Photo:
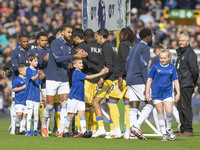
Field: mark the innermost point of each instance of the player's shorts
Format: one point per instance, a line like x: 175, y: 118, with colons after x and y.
x: 75, y: 105
x: 44, y: 94
x: 157, y: 101
x: 104, y: 91
x: 21, y: 108
x: 13, y: 94
x: 136, y: 92
x: 53, y: 87
x: 57, y: 99
x: 116, y: 92
x: 33, y: 105
x: 90, y: 90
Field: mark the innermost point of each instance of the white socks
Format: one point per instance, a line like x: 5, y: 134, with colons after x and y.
x: 83, y: 124
x: 133, y: 116
x: 36, y: 119
x: 23, y: 124
x: 169, y: 117
x: 46, y: 114
x: 155, y: 117
x: 67, y: 123
x: 29, y: 117
x: 144, y: 114
x: 161, y: 121
x: 63, y: 113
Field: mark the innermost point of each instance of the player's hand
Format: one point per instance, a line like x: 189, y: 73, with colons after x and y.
x: 147, y: 96
x: 40, y: 72
x: 81, y: 53
x: 46, y: 58
x: 42, y: 75
x: 3, y: 74
x: 177, y: 97
x: 100, y: 83
x: 120, y: 82
x: 104, y: 70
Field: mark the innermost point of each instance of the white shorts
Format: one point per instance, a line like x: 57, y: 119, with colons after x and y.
x: 75, y: 105
x: 157, y: 101
x: 53, y: 87
x: 32, y: 105
x: 136, y: 92
x: 21, y: 108
x: 44, y: 94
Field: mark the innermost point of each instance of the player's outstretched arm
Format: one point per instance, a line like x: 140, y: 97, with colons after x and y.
x: 102, y: 72
x: 177, y: 87
x: 17, y: 89
x: 147, y: 89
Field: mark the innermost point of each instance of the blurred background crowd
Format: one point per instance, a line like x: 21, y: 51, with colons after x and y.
x: 30, y: 16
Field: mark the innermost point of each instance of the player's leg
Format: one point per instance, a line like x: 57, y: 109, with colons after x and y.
x: 57, y: 107
x: 72, y: 108
x: 176, y: 116
x: 63, y: 92
x: 139, y: 90
x: 18, y: 118
x: 36, y: 107
x: 81, y: 111
x: 23, y: 122
x: 13, y: 116
x: 161, y: 118
x: 29, y: 105
x: 168, y: 104
x: 155, y: 117
x: 51, y: 89
x: 99, y: 115
x: 127, y: 107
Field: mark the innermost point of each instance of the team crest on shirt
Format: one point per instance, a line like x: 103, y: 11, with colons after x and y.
x: 19, y: 55
x: 61, y: 47
x: 170, y: 71
x: 159, y: 70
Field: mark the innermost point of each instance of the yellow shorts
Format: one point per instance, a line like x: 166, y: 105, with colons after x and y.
x: 116, y: 92
x: 57, y: 99
x: 104, y: 91
x: 90, y: 90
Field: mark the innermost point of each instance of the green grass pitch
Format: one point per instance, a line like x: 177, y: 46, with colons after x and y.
x: 19, y: 142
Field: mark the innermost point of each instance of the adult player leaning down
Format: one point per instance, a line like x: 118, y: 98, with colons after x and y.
x: 57, y: 77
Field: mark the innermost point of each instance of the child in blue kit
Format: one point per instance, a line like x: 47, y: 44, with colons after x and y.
x: 33, y: 98
x: 76, y: 100
x: 19, y: 87
x: 160, y: 79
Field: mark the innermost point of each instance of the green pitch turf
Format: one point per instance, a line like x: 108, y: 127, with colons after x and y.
x: 20, y: 142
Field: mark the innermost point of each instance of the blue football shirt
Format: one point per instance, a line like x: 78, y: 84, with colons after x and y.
x: 20, y: 97
x: 33, y: 86
x: 77, y: 91
x: 162, y: 76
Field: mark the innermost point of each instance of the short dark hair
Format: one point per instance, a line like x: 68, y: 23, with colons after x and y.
x: 22, y: 36
x: 103, y: 32
x: 75, y: 59
x: 41, y: 34
x: 159, y: 46
x: 50, y: 39
x: 128, y: 34
x: 78, y: 32
x: 22, y: 65
x: 65, y: 26
x: 144, y: 33
x: 32, y: 56
x: 89, y: 33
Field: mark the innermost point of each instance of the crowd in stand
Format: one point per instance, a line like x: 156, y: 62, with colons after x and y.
x: 30, y: 16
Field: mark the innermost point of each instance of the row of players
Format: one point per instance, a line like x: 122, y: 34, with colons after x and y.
x: 117, y: 83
